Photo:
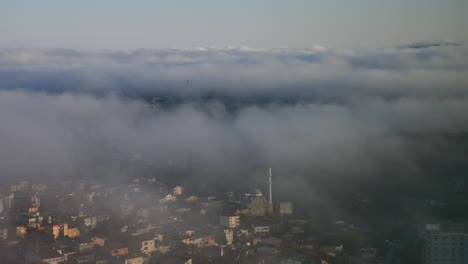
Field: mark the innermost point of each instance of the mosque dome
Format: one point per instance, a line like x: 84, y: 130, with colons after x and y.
x: 254, y: 192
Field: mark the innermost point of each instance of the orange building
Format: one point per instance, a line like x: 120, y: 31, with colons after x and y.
x: 99, y: 241
x: 70, y: 232
x: 119, y: 251
x: 56, y: 231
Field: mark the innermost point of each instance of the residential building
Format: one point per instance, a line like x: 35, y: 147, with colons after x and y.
x: 261, y: 229
x: 178, y: 190
x: 231, y: 221
x: 3, y: 233
x: 56, y: 231
x: 85, y: 246
x: 44, y: 255
x: 286, y: 208
x: 117, y: 249
x: 175, y: 260
x: 21, y: 231
x: 85, y: 258
x: 445, y: 245
x: 203, y: 241
x: 229, y: 234
x: 143, y: 244
x: 368, y: 253
x: 71, y: 232
x: 134, y: 260
x: 99, y: 240
x: 90, y: 221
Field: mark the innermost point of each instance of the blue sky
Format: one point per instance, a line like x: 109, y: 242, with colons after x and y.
x: 115, y: 24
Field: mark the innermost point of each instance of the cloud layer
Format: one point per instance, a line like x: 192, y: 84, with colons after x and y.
x: 429, y: 71
x: 310, y: 114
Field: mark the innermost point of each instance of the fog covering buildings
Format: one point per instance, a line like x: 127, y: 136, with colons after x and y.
x: 117, y: 149
x: 445, y: 243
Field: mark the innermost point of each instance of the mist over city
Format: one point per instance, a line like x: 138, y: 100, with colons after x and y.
x: 156, y: 149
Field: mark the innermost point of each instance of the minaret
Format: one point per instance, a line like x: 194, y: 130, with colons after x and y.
x: 270, y: 200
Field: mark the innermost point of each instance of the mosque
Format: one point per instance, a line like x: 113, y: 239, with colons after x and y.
x: 255, y: 203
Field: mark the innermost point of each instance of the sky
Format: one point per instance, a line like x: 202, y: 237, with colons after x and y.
x: 117, y: 24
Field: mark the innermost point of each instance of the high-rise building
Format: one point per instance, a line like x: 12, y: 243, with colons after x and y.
x: 445, y: 245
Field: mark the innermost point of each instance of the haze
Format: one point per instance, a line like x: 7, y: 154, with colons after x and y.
x: 125, y: 126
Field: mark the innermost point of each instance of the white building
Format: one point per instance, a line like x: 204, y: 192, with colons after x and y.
x: 178, y: 190
x: 261, y: 229
x: 445, y: 245
x: 20, y: 186
x: 229, y: 233
x: 136, y: 260
x: 3, y: 233
x: 90, y: 221
x: 368, y: 253
x: 286, y: 208
x: 148, y: 246
x: 231, y: 221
